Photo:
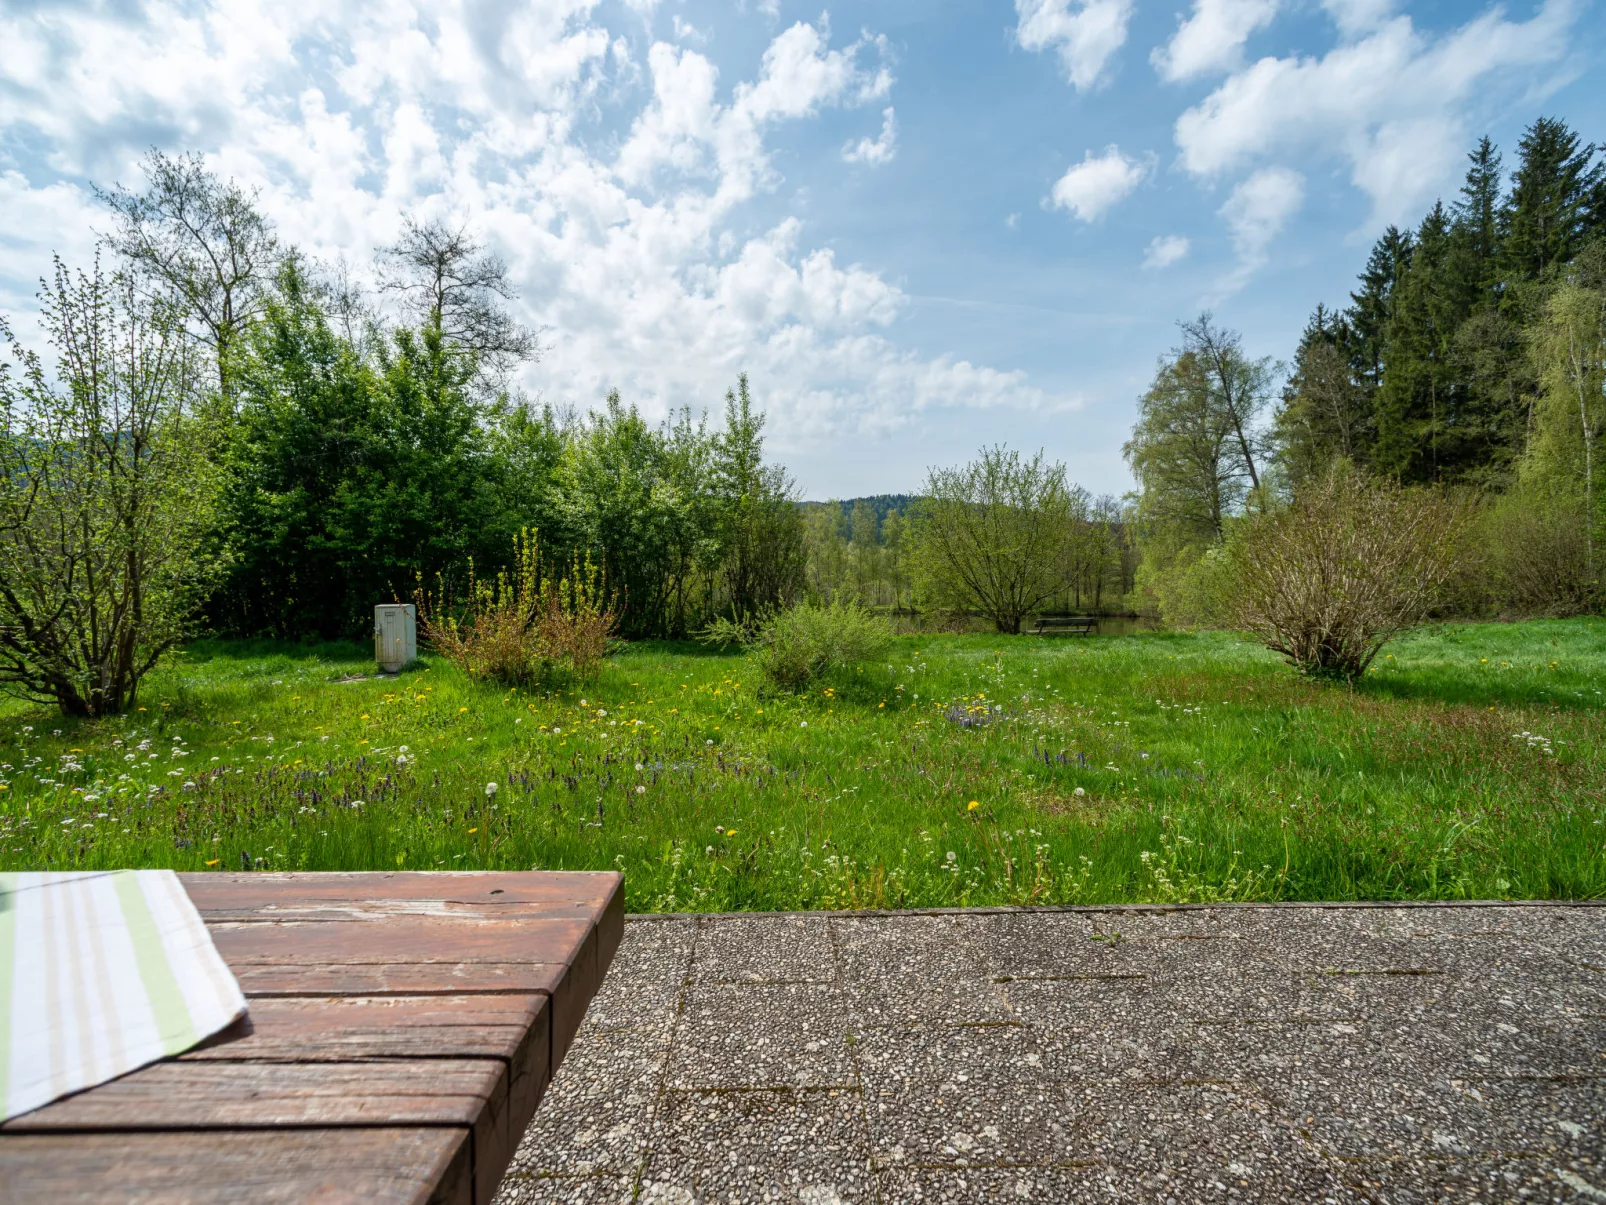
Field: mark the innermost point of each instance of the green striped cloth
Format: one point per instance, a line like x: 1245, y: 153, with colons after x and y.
x: 100, y: 973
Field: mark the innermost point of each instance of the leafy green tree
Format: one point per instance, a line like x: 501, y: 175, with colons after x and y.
x: 347, y: 479
x: 1180, y: 453
x: 1569, y: 348
x: 990, y: 536
x: 618, y: 502
x: 761, y: 533
x: 865, y: 539
x: 1240, y: 388
x: 106, y: 495
x: 893, y: 530
x: 827, y: 548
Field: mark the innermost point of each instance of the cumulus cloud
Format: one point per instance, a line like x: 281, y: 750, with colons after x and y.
x: 635, y: 254
x: 1392, y: 102
x: 1212, y: 37
x: 1097, y: 184
x: 1086, y: 33
x: 878, y: 150
x: 1256, y: 212
x: 1165, y: 250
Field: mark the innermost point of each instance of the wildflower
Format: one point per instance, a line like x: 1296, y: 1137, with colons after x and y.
x: 640, y: 790
x: 1079, y: 792
x: 460, y: 711
x: 972, y: 805
x: 474, y: 830
x: 214, y: 861
x: 601, y: 713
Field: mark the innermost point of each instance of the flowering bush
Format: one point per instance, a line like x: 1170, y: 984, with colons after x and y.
x: 524, y: 626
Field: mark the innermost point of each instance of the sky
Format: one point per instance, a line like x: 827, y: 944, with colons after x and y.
x: 921, y: 227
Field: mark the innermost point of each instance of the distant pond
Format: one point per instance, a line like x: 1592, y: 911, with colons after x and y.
x: 1105, y: 625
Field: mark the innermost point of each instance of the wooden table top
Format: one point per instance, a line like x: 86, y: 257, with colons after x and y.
x: 401, y: 1031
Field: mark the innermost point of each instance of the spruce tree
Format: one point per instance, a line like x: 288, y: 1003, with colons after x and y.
x: 1373, y: 304
x: 1548, y: 216
x: 1477, y: 228
x: 1415, y: 406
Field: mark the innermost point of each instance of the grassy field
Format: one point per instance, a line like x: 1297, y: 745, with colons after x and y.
x: 969, y: 770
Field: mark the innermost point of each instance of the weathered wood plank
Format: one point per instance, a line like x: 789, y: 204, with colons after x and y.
x: 396, y: 978
x: 286, y: 1167
x: 560, y: 893
x: 341, y: 1029
x: 517, y: 1029
x: 401, y: 939
x: 176, y: 1095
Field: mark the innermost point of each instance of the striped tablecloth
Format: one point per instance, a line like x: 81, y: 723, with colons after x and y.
x: 101, y: 973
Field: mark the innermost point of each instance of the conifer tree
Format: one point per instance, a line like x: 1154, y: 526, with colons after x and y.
x: 1548, y: 215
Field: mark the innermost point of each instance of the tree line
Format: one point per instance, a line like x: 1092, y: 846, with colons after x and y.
x: 1471, y: 358
x: 238, y: 438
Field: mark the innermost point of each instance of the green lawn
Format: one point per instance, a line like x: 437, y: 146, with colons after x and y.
x: 970, y: 770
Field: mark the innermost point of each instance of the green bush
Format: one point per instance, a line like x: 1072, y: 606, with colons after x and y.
x: 793, y: 647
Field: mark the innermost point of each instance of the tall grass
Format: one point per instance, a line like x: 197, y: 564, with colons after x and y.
x: 961, y: 770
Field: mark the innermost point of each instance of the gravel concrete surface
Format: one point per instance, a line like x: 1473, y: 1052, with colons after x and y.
x: 1298, y: 1054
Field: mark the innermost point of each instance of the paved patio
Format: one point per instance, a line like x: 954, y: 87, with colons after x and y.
x: 1300, y: 1054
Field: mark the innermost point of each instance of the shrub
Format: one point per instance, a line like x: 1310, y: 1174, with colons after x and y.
x: 1537, y: 544
x: 108, y: 491
x: 1330, y: 578
x: 793, y: 647
x: 525, y: 626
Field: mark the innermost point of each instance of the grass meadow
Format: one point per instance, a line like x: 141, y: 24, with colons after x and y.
x: 967, y: 770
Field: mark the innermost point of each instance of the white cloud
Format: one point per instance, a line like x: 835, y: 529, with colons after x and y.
x: 1212, y: 38
x: 1357, y: 16
x: 1165, y: 250
x: 1098, y: 183
x: 1087, y: 33
x: 1393, y: 103
x: 1256, y: 213
x: 635, y: 255
x: 879, y: 150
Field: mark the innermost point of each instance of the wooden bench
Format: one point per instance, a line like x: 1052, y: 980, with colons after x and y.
x: 1050, y: 625
x: 401, y: 1031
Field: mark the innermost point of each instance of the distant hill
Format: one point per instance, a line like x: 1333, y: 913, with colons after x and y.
x: 880, y: 503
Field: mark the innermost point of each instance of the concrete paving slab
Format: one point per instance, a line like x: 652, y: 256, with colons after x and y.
x: 764, y: 950
x: 1387, y: 1054
x: 749, y: 1147
x: 762, y: 1035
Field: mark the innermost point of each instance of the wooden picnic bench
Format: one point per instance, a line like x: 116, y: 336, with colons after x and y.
x: 1071, y: 625
x: 401, y: 1031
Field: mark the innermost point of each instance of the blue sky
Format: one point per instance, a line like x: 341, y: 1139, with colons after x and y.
x: 919, y: 227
